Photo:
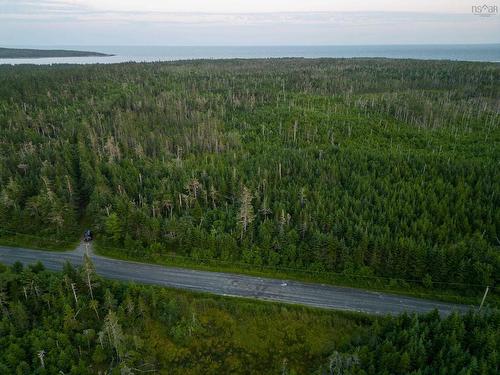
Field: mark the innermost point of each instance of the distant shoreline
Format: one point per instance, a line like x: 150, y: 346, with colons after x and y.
x: 125, y: 54
x: 23, y: 53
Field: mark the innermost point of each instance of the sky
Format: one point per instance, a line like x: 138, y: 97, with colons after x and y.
x: 244, y: 22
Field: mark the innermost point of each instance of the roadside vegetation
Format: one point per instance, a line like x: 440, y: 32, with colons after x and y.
x: 361, y: 169
x: 74, y: 322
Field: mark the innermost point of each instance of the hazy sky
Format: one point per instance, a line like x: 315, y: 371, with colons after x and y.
x: 244, y: 22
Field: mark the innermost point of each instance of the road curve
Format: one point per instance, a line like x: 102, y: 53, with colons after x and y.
x: 228, y: 284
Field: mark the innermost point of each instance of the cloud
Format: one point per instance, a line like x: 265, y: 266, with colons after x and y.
x: 231, y: 6
x: 57, y: 14
x: 31, y: 7
x: 52, y: 22
x: 278, y: 6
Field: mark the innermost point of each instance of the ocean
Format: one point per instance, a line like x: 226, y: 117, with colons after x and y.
x: 463, y: 52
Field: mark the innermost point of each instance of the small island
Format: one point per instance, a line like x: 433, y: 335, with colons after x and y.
x: 17, y: 53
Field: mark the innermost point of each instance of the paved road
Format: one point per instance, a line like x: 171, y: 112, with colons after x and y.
x: 317, y: 295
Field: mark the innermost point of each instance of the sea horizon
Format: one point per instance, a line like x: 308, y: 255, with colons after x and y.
x: 484, y: 52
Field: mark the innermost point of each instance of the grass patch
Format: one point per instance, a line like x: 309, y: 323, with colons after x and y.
x: 37, y: 243
x: 172, y: 331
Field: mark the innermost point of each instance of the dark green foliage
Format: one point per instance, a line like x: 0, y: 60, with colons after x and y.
x: 143, y: 328
x: 425, y: 344
x: 361, y: 166
x: 120, y: 327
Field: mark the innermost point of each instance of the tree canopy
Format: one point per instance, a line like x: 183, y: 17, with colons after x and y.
x: 361, y: 166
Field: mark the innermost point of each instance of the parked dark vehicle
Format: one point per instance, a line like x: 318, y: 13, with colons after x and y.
x: 87, y: 235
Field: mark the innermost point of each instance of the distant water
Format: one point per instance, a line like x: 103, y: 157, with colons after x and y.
x: 472, y: 52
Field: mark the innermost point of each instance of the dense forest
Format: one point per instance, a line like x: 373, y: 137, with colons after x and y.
x: 371, y: 167
x: 76, y: 323
x: 418, y: 345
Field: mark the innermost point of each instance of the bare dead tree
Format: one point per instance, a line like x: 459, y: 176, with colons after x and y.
x: 246, y: 214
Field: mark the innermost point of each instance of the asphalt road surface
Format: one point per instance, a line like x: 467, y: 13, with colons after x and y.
x: 227, y: 284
